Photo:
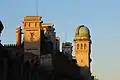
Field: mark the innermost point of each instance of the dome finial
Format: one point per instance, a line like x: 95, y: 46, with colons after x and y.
x: 82, y: 25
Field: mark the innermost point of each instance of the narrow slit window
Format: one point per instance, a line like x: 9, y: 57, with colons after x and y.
x: 82, y: 60
x: 77, y: 46
x: 81, y: 46
x: 85, y: 46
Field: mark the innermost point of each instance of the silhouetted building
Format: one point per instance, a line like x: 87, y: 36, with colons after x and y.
x: 38, y: 56
x: 39, y: 39
x: 38, y: 46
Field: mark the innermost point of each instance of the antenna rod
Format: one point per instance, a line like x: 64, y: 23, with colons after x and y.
x: 37, y: 7
x: 66, y: 36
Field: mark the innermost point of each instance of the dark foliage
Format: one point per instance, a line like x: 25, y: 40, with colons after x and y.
x: 1, y: 27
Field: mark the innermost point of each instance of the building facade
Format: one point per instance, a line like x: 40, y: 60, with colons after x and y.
x: 39, y: 40
x: 32, y: 34
x: 40, y: 43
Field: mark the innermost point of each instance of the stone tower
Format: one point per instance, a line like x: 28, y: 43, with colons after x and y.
x: 18, y: 36
x: 82, y: 49
x: 32, y: 34
x: 67, y: 49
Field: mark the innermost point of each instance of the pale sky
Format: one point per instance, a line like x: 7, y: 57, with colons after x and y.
x: 100, y: 16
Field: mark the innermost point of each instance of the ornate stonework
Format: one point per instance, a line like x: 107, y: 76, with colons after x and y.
x: 32, y: 34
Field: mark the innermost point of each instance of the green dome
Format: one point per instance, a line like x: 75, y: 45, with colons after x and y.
x: 82, y: 31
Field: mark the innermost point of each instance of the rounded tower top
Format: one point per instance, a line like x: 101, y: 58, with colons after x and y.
x: 82, y: 31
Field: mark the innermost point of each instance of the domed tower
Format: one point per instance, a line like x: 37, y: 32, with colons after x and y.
x: 82, y: 44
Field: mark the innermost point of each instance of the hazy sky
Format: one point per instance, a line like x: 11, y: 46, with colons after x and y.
x: 100, y: 16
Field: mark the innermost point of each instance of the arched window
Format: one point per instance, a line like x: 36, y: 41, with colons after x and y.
x: 81, y: 46
x: 77, y: 46
x: 85, y: 46
x: 24, y: 24
x: 35, y: 24
x: 29, y: 24
x: 81, y: 60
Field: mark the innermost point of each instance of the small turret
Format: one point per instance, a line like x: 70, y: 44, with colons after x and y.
x: 57, y: 44
x: 67, y: 49
x: 18, y: 36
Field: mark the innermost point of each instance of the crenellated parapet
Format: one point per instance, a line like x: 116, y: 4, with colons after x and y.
x: 10, y: 45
